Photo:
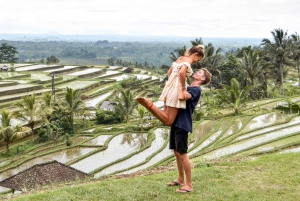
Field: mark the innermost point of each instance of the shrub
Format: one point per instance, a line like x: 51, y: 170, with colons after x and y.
x: 107, y: 117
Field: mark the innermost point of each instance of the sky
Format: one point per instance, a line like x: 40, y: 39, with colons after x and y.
x: 188, y: 18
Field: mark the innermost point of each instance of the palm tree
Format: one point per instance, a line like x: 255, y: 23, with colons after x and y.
x: 233, y: 96
x: 296, y: 52
x: 141, y: 111
x: 85, y: 113
x: 47, y: 105
x: 250, y: 63
x: 212, y: 62
x: 9, y: 134
x: 197, y: 41
x: 72, y: 105
x: 177, y: 53
x: 29, y: 110
x: 124, y: 104
x: 278, y: 51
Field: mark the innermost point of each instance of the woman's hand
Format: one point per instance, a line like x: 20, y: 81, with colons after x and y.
x: 187, y: 95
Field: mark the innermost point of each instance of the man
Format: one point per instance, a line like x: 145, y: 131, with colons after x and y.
x: 180, y: 128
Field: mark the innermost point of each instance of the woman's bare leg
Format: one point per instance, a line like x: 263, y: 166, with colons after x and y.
x: 166, y: 116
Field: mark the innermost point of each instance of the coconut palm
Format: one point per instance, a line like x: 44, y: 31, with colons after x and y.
x: 9, y: 134
x: 85, y: 114
x: 124, y: 104
x: 250, y: 63
x: 197, y: 41
x: 296, y: 52
x: 72, y: 105
x: 278, y: 51
x: 47, y: 105
x: 177, y: 53
x: 29, y: 110
x: 141, y: 111
x: 212, y: 61
x: 233, y: 96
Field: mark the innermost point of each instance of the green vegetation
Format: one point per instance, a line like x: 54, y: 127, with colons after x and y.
x: 250, y: 108
x: 268, y: 177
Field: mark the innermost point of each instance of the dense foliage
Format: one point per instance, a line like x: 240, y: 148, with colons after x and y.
x: 8, y: 53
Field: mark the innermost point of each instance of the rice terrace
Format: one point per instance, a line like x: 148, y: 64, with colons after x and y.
x: 82, y: 120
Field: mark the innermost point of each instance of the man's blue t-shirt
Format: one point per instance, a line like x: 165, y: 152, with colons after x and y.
x: 183, y: 119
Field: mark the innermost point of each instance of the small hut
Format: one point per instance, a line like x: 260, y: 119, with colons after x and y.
x: 52, y: 172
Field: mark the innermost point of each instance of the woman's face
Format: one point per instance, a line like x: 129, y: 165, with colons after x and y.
x: 196, y: 58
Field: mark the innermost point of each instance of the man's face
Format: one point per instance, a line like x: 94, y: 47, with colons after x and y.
x: 199, y: 75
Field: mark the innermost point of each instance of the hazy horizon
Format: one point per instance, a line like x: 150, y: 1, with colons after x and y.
x: 118, y: 38
x: 151, y: 18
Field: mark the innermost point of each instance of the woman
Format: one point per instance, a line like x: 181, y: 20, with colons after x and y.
x: 177, y: 76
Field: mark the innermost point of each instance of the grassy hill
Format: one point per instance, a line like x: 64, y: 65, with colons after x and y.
x: 267, y: 177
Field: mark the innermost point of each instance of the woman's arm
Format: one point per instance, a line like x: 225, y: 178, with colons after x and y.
x: 182, y: 76
x: 170, y: 71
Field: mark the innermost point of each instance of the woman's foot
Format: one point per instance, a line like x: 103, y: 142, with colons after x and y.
x: 147, y: 103
x: 185, y: 189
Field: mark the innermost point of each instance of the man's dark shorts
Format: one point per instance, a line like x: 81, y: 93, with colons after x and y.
x: 179, y: 140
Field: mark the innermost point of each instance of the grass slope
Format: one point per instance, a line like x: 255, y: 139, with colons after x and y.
x: 268, y: 177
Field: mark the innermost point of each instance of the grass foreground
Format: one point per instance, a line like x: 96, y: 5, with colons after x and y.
x: 267, y: 177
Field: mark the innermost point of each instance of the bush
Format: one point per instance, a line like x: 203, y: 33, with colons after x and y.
x: 107, y: 117
x: 68, y: 140
x: 43, y: 137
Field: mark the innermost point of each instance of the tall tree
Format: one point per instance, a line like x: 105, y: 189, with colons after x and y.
x: 197, y: 41
x: 213, y: 60
x: 29, y: 110
x: 251, y: 65
x: 232, y: 69
x: 233, y: 96
x: 296, y: 52
x: 141, y: 112
x: 52, y: 60
x: 73, y: 105
x: 177, y: 53
x: 9, y: 134
x: 8, y: 53
x: 278, y: 51
x: 123, y: 104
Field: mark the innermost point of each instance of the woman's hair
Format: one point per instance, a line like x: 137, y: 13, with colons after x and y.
x: 208, y: 76
x: 199, y: 49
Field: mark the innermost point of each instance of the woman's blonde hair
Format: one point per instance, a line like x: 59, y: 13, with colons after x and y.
x: 198, y: 49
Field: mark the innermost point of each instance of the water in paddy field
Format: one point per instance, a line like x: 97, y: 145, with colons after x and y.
x: 137, y: 158
x: 77, y: 84
x: 114, y: 151
x: 86, y: 71
x: 93, y: 102
x: 249, y: 143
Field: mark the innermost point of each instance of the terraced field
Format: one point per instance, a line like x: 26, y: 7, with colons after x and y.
x: 109, y: 149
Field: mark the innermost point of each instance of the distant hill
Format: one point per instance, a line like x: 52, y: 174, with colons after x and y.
x: 126, y: 38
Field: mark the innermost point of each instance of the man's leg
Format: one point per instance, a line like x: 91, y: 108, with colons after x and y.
x: 180, y: 167
x: 188, y: 173
x: 181, y: 141
x: 172, y: 146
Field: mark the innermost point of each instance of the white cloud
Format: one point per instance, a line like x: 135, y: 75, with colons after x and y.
x: 194, y: 18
